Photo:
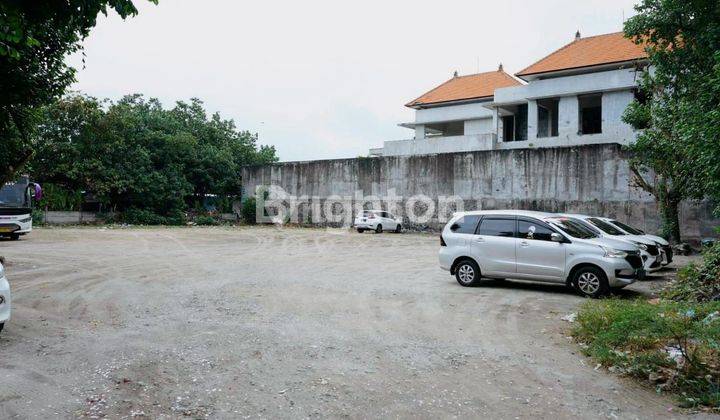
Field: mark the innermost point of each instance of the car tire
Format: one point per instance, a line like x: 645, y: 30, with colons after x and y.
x: 14, y: 236
x: 2, y: 325
x: 360, y: 230
x: 467, y: 273
x: 378, y: 229
x: 591, y: 282
x: 398, y: 228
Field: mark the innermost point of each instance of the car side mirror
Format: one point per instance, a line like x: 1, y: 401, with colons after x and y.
x: 556, y: 237
x: 454, y: 227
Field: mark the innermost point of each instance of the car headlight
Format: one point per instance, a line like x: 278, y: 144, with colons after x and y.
x: 641, y: 246
x: 614, y: 253
x: 25, y: 220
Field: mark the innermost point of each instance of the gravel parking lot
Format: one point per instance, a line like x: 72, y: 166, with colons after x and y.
x: 266, y: 322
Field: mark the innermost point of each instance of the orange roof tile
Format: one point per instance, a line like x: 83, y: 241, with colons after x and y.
x: 590, y: 51
x: 459, y: 88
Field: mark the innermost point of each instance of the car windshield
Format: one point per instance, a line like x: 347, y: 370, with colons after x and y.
x: 628, y: 229
x: 605, y: 226
x: 572, y: 227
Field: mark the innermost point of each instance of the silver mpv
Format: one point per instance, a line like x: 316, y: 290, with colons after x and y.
x: 543, y: 247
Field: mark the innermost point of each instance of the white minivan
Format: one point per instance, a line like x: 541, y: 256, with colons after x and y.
x: 536, y: 246
x: 4, y: 298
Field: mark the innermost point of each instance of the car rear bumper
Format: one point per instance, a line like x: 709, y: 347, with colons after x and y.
x: 6, y: 300
x: 364, y: 225
x: 445, y: 258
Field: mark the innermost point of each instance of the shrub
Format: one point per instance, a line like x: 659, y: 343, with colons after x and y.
x: 38, y: 217
x: 674, y: 345
x: 698, y: 282
x: 136, y: 216
x: 248, y: 211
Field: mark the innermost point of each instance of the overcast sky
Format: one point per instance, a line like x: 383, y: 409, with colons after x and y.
x: 324, y: 79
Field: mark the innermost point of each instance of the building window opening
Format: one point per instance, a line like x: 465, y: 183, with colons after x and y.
x: 590, y: 118
x: 521, y: 122
x: 548, y: 117
x: 514, y: 122
x: 508, y: 123
x: 451, y: 128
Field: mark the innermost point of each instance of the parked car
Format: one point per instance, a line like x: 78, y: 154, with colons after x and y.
x: 649, y: 250
x: 4, y: 298
x: 377, y: 220
x: 535, y: 246
x: 665, y: 247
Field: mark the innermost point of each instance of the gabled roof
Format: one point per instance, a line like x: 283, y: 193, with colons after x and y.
x: 587, y: 52
x: 464, y: 88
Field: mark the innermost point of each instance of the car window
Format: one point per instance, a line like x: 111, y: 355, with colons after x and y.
x: 572, y: 227
x: 629, y: 229
x: 466, y: 224
x: 605, y: 226
x: 497, y: 227
x: 536, y: 231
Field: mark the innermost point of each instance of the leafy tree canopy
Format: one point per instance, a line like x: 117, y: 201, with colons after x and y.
x: 679, y: 110
x: 35, y: 38
x: 135, y: 154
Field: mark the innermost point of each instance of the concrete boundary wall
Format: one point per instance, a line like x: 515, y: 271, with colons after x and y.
x: 592, y: 179
x: 68, y: 217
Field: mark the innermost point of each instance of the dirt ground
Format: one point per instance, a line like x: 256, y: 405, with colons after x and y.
x: 271, y: 323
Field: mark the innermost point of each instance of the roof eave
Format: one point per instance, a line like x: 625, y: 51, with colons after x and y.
x: 449, y: 103
x: 534, y: 75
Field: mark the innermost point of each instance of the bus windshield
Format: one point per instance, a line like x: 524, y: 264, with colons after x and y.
x: 15, y: 194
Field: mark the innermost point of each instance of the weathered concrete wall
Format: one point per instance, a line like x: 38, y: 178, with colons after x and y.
x: 68, y: 217
x: 592, y: 179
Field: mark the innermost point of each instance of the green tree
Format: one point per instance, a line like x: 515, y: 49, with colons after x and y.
x: 35, y: 38
x: 677, y: 155
x: 134, y: 154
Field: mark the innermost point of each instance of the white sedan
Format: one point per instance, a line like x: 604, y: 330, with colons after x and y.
x: 4, y: 298
x: 377, y: 220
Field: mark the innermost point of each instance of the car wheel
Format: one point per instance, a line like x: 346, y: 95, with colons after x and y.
x: 14, y: 236
x: 398, y: 228
x: 2, y: 325
x: 361, y: 230
x: 591, y: 281
x: 378, y: 229
x: 467, y: 273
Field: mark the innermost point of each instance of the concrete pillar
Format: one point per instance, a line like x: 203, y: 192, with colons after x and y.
x: 532, y: 120
x: 419, y: 132
x: 568, y: 116
x: 496, y: 125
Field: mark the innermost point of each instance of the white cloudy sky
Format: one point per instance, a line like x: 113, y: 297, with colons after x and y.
x: 324, y: 79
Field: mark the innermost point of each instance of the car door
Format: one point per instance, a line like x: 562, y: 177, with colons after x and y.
x: 494, y: 245
x: 388, y: 221
x: 538, y: 257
